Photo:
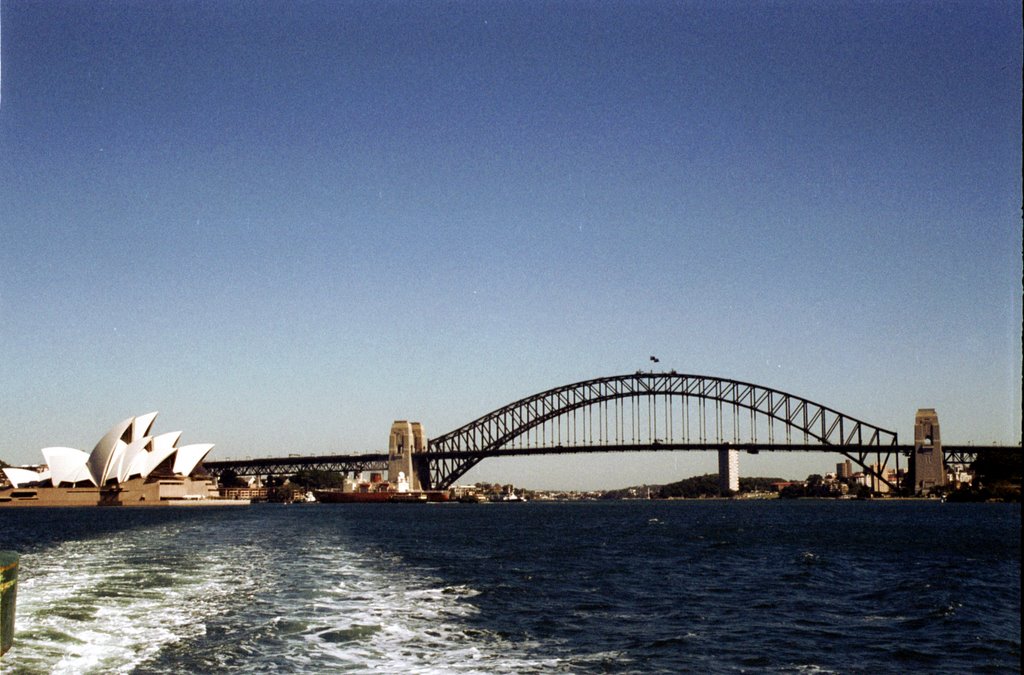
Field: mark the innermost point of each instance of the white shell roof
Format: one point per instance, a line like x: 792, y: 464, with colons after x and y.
x: 67, y: 465
x: 163, y: 447
x: 107, y: 450
x: 165, y: 442
x: 141, y: 463
x: 142, y: 425
x: 134, y: 449
x: 190, y: 455
x: 125, y: 451
x: 19, y: 477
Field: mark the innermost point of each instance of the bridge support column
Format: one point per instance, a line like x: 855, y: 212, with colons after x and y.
x: 927, y: 468
x: 407, y: 439
x: 420, y: 466
x: 728, y: 471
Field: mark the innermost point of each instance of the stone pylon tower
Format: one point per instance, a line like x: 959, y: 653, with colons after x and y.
x: 927, y: 468
x: 406, y: 439
x: 420, y: 479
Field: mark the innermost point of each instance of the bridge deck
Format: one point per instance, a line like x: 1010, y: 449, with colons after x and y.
x: 378, y: 461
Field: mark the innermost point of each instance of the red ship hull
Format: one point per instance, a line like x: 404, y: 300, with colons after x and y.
x: 418, y: 497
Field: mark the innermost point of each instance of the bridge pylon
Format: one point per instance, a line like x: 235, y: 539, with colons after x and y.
x: 406, y: 440
x: 927, y: 468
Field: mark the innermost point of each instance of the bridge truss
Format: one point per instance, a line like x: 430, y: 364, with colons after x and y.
x: 289, y: 466
x: 638, y: 412
x: 657, y: 411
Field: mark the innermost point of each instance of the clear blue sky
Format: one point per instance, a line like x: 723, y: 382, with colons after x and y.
x: 286, y: 224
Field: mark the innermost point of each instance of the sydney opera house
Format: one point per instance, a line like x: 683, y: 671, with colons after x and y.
x: 129, y: 466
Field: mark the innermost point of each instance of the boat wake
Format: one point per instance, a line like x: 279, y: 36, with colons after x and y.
x: 195, y: 598
x: 108, y: 604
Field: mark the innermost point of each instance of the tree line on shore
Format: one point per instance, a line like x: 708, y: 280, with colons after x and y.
x: 997, y: 477
x: 696, y: 487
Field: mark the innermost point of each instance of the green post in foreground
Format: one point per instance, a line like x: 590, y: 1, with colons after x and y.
x: 8, y: 595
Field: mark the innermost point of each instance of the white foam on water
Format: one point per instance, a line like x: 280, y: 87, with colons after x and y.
x: 177, y: 598
x: 83, y: 606
x: 369, y: 619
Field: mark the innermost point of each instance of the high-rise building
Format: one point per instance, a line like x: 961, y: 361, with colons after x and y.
x: 728, y: 471
x: 844, y: 469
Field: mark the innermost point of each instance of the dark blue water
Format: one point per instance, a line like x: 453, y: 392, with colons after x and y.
x: 716, y: 586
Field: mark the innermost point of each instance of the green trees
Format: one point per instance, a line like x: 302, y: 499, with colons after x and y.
x: 992, y: 467
x: 997, y: 476
x: 692, y: 488
x: 759, y: 483
x: 230, y: 479
x: 311, y: 480
x: 793, y: 491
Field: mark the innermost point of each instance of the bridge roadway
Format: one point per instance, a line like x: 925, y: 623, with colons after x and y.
x: 358, y: 463
x: 288, y: 466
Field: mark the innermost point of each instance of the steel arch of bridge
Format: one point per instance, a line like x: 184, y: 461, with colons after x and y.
x: 550, y: 422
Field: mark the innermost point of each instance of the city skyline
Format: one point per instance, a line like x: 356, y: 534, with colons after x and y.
x: 286, y: 225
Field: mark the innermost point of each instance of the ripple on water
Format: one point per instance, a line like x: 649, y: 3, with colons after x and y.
x: 328, y: 590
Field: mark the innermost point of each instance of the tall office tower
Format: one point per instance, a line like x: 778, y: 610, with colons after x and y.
x: 728, y: 471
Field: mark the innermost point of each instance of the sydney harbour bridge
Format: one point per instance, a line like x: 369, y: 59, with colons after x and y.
x: 648, y: 411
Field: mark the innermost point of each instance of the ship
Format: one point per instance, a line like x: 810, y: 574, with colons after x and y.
x: 377, y: 491
x: 335, y: 496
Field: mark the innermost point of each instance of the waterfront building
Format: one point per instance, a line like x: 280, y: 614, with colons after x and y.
x: 872, y: 479
x: 128, y: 466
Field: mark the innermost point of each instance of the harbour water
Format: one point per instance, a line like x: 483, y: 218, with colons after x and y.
x: 700, y: 586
